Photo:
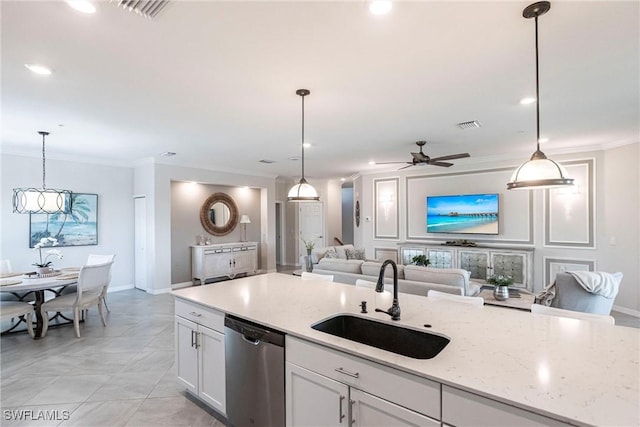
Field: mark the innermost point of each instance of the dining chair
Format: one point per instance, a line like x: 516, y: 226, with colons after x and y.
x: 371, y: 285
x: 12, y: 309
x: 560, y: 312
x: 311, y: 276
x: 5, y: 269
x: 94, y: 259
x: 437, y: 295
x: 91, y: 283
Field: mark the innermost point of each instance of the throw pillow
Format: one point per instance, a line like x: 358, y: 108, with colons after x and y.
x: 355, y: 254
x: 331, y: 253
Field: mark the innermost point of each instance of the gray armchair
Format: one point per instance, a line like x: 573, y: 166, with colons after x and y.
x: 570, y: 295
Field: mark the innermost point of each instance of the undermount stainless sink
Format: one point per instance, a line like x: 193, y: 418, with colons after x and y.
x: 396, y: 339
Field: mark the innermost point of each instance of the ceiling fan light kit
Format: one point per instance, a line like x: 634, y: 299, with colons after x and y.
x: 539, y: 171
x: 303, y: 191
x: 41, y: 200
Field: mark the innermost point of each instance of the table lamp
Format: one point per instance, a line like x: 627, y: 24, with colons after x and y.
x: 244, y: 220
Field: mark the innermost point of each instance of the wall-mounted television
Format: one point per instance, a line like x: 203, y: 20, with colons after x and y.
x: 463, y: 214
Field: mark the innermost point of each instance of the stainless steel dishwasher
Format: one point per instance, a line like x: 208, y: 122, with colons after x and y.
x: 254, y: 359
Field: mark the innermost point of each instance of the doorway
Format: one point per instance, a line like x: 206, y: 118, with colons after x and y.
x: 280, y: 244
x: 140, y: 242
x: 311, y: 226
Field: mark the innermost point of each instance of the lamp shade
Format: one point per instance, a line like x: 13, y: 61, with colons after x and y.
x: 41, y: 200
x: 539, y: 172
x: 244, y: 219
x: 303, y: 192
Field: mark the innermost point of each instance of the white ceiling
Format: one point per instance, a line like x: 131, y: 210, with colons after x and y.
x: 215, y: 82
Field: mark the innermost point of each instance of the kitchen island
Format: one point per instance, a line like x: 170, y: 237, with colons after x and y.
x: 570, y: 371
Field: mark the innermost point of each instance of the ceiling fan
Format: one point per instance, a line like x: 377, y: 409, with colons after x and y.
x: 422, y: 159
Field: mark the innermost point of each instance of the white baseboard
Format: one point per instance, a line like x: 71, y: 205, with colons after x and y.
x: 119, y: 288
x: 159, y: 291
x: 175, y: 286
x: 624, y: 310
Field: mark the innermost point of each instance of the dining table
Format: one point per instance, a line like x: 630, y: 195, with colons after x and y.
x: 22, y: 286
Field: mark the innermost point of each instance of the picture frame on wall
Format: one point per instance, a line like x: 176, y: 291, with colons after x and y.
x: 78, y: 228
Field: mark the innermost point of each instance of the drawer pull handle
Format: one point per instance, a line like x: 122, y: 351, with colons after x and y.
x: 193, y: 313
x: 351, y: 374
x: 341, y: 415
x: 192, y: 338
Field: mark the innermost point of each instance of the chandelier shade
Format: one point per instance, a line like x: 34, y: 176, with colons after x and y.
x: 41, y: 200
x: 303, y: 191
x: 539, y: 171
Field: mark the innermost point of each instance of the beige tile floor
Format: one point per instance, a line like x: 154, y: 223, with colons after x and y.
x: 119, y: 375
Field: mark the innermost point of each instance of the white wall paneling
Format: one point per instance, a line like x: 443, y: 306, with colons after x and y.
x: 516, y: 207
x: 569, y: 212
x: 553, y: 266
x: 386, y: 208
x: 383, y: 254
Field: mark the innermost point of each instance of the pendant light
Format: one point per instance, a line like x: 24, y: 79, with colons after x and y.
x: 41, y: 200
x: 303, y: 191
x: 539, y: 171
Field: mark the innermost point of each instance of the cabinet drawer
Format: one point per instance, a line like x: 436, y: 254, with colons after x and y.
x: 203, y: 315
x: 461, y: 408
x: 413, y: 392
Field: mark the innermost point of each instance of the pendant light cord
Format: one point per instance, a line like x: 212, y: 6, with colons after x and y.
x: 537, y: 91
x: 43, y: 164
x: 303, y: 137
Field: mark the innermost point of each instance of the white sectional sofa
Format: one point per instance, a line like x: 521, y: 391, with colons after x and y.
x: 411, y: 278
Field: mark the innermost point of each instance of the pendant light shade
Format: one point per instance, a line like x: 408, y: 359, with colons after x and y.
x: 539, y: 171
x: 41, y: 200
x: 303, y: 191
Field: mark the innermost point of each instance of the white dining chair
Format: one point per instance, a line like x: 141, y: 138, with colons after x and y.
x: 94, y: 259
x: 315, y: 276
x: 12, y: 309
x: 560, y: 312
x: 437, y: 295
x: 91, y: 282
x: 360, y: 283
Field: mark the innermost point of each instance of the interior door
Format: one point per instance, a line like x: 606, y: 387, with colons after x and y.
x: 140, y: 242
x: 278, y: 233
x: 311, y: 226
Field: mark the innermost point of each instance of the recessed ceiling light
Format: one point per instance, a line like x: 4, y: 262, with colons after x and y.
x: 168, y: 154
x: 380, y: 7
x: 343, y: 179
x: 307, y: 144
x: 82, y: 6
x: 372, y: 163
x: 527, y: 101
x: 39, y: 69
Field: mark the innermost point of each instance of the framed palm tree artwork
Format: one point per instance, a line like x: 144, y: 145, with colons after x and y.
x: 77, y: 228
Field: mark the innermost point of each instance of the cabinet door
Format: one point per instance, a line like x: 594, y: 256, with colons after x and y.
x: 510, y: 264
x: 244, y: 262
x: 440, y: 258
x: 475, y: 262
x: 187, y: 353
x: 368, y: 410
x: 314, y: 400
x: 216, y: 265
x: 212, y: 368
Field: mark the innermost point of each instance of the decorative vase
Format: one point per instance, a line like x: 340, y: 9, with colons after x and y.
x: 309, y: 251
x: 501, y: 293
x: 44, y: 270
x: 309, y: 264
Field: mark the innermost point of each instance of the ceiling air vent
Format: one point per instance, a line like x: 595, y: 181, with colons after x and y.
x: 469, y: 125
x: 268, y: 162
x: 147, y: 8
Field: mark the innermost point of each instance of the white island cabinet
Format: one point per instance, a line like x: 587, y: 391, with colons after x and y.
x: 223, y: 260
x: 199, y: 335
x: 328, y: 387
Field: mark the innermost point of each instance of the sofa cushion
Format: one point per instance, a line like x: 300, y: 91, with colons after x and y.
x: 445, y: 276
x: 372, y: 268
x: 329, y: 252
x: 341, y: 265
x: 342, y: 250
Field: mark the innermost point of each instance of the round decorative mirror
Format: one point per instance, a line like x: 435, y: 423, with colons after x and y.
x: 219, y: 214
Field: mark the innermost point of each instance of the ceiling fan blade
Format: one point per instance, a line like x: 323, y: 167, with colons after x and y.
x: 419, y: 156
x: 452, y: 157
x: 444, y: 164
x: 390, y: 163
x: 408, y: 166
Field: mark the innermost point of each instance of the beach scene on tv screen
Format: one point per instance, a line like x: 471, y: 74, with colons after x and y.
x: 466, y: 214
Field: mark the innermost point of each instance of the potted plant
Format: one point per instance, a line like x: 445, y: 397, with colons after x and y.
x: 44, y: 266
x: 421, y: 260
x: 309, y: 244
x: 501, y: 285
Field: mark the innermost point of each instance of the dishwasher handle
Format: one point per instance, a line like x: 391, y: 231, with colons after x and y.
x: 251, y: 340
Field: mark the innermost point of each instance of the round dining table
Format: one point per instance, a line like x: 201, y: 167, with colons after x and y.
x: 38, y: 286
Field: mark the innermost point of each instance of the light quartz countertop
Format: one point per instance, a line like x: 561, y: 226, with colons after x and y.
x: 584, y: 373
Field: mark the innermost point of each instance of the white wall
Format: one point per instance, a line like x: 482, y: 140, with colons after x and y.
x: 615, y: 213
x: 113, y: 185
